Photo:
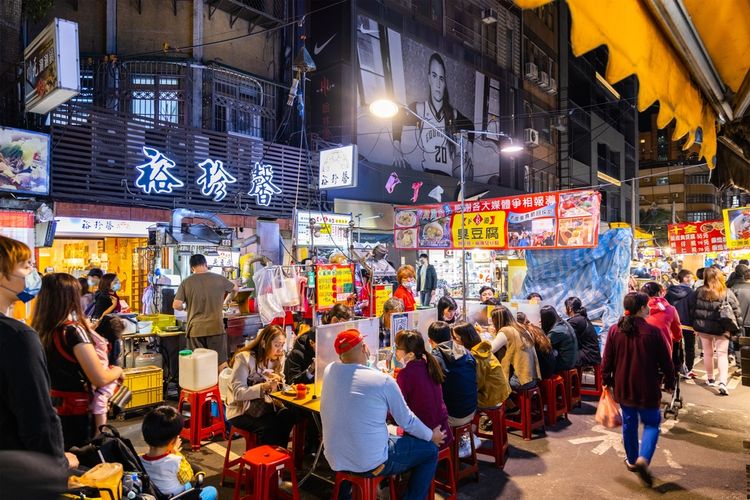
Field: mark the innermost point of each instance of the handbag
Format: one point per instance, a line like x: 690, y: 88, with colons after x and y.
x: 608, y: 411
x: 727, y: 319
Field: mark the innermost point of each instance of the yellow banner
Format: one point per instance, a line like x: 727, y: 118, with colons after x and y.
x: 737, y: 227
x: 382, y: 294
x: 481, y: 229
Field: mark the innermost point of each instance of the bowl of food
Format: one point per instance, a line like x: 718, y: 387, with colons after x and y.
x: 406, y: 238
x: 433, y: 232
x: 406, y: 218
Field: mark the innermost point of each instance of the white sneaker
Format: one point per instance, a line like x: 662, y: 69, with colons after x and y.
x: 711, y: 382
x: 723, y: 389
x: 464, y: 447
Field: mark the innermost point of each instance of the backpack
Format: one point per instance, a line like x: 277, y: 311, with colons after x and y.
x: 727, y: 319
x: 493, y: 386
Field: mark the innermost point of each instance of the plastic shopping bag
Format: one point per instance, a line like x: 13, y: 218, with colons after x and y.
x: 608, y: 411
x: 268, y: 306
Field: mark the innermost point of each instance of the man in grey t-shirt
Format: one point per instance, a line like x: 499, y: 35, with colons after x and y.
x: 204, y: 293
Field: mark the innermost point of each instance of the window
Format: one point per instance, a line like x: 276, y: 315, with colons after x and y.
x: 697, y: 179
x: 155, y: 97
x: 700, y: 216
x: 662, y: 181
x: 701, y: 198
x: 237, y: 106
x: 608, y: 160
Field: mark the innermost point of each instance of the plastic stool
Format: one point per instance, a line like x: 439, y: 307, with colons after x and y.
x: 555, y: 399
x: 298, y: 442
x: 260, y: 469
x: 471, y: 460
x: 251, y: 441
x: 498, y: 436
x: 449, y: 485
x: 572, y: 388
x: 589, y: 389
x: 367, y: 487
x: 201, y: 423
x: 528, y: 419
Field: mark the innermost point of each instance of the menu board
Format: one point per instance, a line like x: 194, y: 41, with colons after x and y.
x: 737, y: 224
x: 568, y: 219
x: 382, y: 293
x: 335, y: 283
x: 697, y: 237
x: 322, y: 229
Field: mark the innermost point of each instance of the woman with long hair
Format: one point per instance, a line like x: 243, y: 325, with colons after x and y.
x: 662, y: 315
x: 257, y: 371
x: 447, y: 309
x: 73, y: 364
x: 636, y: 360
x: 543, y: 347
x: 704, y: 306
x: 407, y: 278
x: 87, y: 298
x: 421, y: 380
x: 520, y: 364
x: 589, y: 353
x: 106, y: 300
x: 562, y: 337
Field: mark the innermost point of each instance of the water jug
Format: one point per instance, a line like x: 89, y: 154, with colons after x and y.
x: 198, y: 369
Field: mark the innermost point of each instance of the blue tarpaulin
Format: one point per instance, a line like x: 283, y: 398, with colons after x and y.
x: 599, y: 276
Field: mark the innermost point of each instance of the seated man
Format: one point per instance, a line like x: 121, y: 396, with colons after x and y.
x: 392, y: 306
x: 354, y: 406
x: 487, y: 296
x: 460, y: 368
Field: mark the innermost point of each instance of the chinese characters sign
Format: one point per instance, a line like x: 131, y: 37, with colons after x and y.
x: 263, y: 187
x: 322, y: 229
x: 73, y: 226
x: 335, y: 285
x: 568, y: 219
x: 697, y: 237
x: 737, y: 224
x: 338, y: 168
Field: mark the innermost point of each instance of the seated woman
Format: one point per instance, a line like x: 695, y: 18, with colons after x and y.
x: 562, y: 337
x: 589, y: 353
x: 447, y: 309
x: 257, y: 370
x: 544, y: 352
x: 519, y: 363
x: 420, y: 381
x: 392, y: 306
x: 487, y: 296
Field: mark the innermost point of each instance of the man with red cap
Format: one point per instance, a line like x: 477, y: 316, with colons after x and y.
x: 354, y: 405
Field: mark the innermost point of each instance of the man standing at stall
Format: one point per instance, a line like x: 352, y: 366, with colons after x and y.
x: 426, y: 280
x: 203, y: 295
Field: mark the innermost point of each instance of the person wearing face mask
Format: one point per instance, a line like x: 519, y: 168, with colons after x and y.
x: 93, y: 278
x: 636, y: 359
x: 106, y: 300
x: 73, y: 364
x: 257, y: 371
x: 354, y: 407
x: 677, y: 296
x: 27, y: 418
x: 406, y: 279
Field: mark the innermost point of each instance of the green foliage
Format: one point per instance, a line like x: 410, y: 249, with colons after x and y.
x: 36, y: 9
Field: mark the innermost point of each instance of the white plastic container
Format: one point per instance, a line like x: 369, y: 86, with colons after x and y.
x: 198, y: 369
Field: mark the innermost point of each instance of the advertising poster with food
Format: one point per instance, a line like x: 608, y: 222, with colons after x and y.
x: 335, y: 283
x: 737, y: 227
x: 24, y: 161
x: 568, y: 219
x: 697, y: 237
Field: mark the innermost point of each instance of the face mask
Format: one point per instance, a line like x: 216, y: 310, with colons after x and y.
x: 116, y: 286
x: 91, y: 283
x: 32, y: 284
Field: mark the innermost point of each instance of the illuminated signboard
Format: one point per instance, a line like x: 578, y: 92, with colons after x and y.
x: 338, y: 168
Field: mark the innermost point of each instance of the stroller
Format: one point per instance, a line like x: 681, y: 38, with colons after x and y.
x: 673, y: 406
x: 110, y: 446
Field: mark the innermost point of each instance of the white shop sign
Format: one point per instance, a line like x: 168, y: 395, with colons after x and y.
x: 91, y: 227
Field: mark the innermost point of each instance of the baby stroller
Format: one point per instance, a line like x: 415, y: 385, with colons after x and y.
x: 673, y: 406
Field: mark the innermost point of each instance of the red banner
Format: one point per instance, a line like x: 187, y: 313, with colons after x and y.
x: 697, y: 237
x: 568, y: 219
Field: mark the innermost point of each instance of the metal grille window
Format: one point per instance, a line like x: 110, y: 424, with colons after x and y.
x: 697, y: 179
x: 701, y: 198
x: 662, y: 181
x: 700, y: 216
x: 155, y: 97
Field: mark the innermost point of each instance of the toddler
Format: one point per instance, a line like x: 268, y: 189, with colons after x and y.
x: 109, y: 327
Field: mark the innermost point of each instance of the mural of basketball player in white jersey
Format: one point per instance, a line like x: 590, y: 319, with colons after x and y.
x: 438, y: 154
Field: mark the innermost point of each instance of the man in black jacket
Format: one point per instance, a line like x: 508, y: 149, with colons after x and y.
x: 426, y: 280
x: 741, y: 289
x: 677, y: 295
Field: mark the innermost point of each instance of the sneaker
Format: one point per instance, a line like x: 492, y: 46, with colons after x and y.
x: 641, y: 468
x: 631, y: 468
x: 691, y: 374
x: 723, y: 389
x: 711, y: 382
x: 464, y: 447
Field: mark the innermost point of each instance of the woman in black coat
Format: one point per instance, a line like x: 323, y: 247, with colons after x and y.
x: 589, y: 353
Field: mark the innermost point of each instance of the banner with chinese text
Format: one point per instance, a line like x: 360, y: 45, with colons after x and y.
x: 737, y: 227
x: 697, y: 237
x: 568, y: 219
x: 335, y: 283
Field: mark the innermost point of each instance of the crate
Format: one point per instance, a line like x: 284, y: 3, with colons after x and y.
x: 148, y: 397
x: 159, y: 320
x: 146, y: 385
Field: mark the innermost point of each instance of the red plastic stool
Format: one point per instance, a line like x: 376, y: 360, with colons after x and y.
x: 471, y: 461
x: 363, y: 488
x: 527, y: 419
x: 201, y: 424
x: 298, y: 442
x: 555, y: 399
x: 594, y: 389
x: 449, y: 484
x: 498, y: 436
x: 251, y: 441
x: 572, y: 388
x: 260, y: 469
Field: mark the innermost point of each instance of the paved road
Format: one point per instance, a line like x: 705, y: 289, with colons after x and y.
x: 699, y: 456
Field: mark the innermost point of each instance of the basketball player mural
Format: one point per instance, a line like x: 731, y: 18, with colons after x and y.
x: 439, y: 155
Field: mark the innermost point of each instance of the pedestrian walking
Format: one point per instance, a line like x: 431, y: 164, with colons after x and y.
x: 677, y: 295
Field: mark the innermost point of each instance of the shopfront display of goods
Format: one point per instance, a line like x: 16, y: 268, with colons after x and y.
x: 334, y: 284
x: 568, y: 219
x: 697, y: 237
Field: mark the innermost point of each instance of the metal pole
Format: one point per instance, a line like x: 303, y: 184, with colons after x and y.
x: 463, y: 211
x: 633, y: 212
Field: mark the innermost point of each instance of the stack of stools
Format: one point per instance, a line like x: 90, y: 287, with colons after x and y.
x: 498, y: 436
x: 367, y: 487
x: 572, y: 388
x: 594, y: 389
x: 471, y: 462
x: 555, y: 399
x: 447, y: 481
x: 251, y: 441
x: 202, y: 424
x: 260, y: 469
x: 529, y: 418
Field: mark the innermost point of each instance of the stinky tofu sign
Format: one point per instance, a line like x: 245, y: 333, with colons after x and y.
x: 697, y: 237
x: 568, y: 219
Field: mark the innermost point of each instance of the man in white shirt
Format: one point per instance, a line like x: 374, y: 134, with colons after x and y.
x: 354, y: 405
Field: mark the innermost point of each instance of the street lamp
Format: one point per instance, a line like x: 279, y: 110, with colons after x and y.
x: 385, y: 108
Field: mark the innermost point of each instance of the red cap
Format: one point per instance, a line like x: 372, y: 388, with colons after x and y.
x: 346, y: 340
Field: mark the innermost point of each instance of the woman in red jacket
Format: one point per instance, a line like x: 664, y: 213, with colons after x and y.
x: 662, y: 315
x: 406, y: 277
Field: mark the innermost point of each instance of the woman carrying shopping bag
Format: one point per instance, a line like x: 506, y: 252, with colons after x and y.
x: 636, y: 359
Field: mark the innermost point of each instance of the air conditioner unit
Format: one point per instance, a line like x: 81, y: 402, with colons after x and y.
x: 489, y: 16
x: 543, y: 80
x: 530, y: 137
x: 531, y: 72
x: 552, y: 89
